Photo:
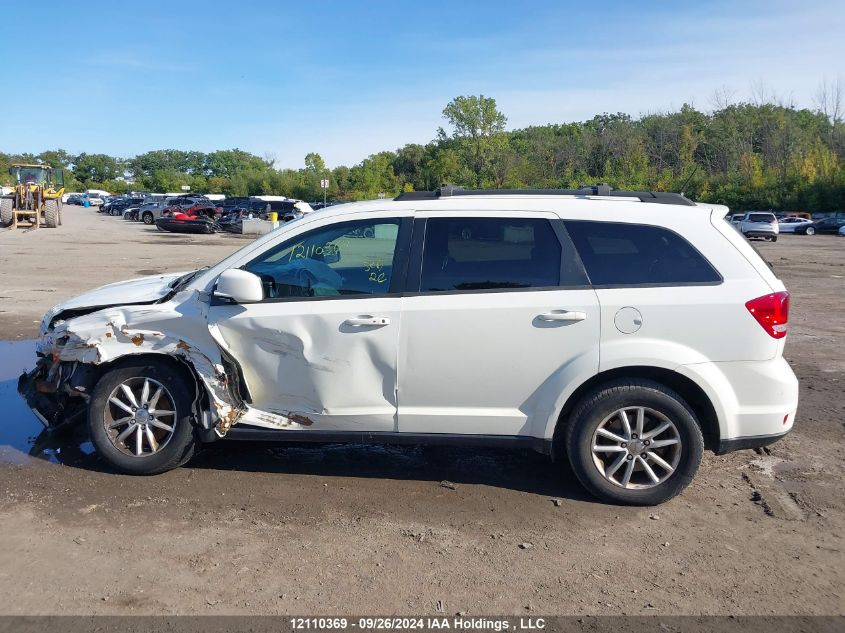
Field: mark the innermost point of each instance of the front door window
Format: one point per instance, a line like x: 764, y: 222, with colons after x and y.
x: 345, y: 259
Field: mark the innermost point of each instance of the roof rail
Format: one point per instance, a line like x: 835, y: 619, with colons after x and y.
x: 448, y: 191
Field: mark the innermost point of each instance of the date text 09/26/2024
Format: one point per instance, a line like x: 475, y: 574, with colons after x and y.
x: 458, y: 623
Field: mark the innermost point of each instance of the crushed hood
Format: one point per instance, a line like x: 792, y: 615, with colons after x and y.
x: 133, y: 291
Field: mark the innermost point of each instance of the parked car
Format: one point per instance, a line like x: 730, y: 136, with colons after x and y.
x: 736, y: 218
x: 95, y: 200
x: 200, y: 218
x: 827, y: 225
x: 186, y: 201
x: 760, y: 224
x: 149, y: 212
x: 119, y: 205
x: 231, y: 204
x: 132, y: 209
x: 75, y: 198
x: 107, y: 205
x: 788, y: 225
x: 232, y: 221
x: 646, y: 333
x: 68, y: 195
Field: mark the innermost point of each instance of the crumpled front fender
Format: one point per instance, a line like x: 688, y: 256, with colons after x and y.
x: 169, y: 329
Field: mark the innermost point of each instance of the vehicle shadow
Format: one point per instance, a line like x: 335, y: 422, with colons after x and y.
x: 519, y: 470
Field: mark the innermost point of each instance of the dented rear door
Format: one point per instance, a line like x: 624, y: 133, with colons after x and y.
x: 328, y: 360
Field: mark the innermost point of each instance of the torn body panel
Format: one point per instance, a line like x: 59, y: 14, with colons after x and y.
x: 69, y: 347
x: 296, y: 376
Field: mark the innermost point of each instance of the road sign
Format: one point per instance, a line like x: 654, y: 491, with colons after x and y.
x: 324, y: 183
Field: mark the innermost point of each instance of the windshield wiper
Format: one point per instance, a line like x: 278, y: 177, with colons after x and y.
x: 184, y: 279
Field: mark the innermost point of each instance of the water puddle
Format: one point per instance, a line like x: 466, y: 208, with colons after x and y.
x: 21, y: 433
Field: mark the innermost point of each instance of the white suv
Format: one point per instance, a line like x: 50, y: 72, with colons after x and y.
x: 760, y: 224
x: 625, y: 331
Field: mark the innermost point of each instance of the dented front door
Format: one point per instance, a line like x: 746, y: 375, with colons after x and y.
x: 326, y: 360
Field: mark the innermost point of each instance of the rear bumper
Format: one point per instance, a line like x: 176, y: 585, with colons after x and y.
x: 753, y: 233
x: 755, y: 401
x: 741, y: 443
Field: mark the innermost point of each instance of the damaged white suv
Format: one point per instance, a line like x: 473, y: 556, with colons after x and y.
x: 626, y: 331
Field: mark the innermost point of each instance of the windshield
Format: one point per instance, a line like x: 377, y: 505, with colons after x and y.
x: 31, y: 175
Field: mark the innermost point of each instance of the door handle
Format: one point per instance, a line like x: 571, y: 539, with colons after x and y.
x: 562, y: 315
x: 366, y: 319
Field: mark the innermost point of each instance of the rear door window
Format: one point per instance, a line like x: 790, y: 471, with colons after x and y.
x: 471, y: 254
x: 761, y: 217
x: 617, y: 254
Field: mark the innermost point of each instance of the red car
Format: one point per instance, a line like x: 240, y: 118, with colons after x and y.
x: 199, y: 218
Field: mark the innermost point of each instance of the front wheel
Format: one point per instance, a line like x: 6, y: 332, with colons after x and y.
x: 147, y: 218
x: 634, y: 442
x: 6, y: 211
x: 810, y: 230
x: 139, y: 417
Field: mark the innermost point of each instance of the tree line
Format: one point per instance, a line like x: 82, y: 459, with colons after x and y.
x: 748, y: 155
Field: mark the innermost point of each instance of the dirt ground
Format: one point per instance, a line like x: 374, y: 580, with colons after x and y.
x: 319, y: 530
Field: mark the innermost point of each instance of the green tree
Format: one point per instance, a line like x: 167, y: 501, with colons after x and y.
x: 478, y: 127
x: 96, y: 168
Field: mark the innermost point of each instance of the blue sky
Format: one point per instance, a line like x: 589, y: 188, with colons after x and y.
x: 347, y: 79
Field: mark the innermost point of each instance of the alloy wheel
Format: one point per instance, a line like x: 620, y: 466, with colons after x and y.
x: 140, y: 417
x: 636, y: 447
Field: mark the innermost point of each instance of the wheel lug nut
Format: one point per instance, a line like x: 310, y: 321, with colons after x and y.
x: 634, y: 436
x: 630, y: 457
x: 647, y: 442
x: 624, y: 445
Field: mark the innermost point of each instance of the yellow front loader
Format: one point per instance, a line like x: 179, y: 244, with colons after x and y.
x: 37, y: 197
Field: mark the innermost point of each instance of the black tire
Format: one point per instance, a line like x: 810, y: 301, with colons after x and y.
x: 147, y: 218
x: 810, y: 231
x: 6, y: 211
x: 181, y: 444
x: 51, y: 214
x: 775, y: 238
x: 597, y: 405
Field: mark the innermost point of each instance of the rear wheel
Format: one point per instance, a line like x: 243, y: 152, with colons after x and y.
x: 51, y: 214
x: 6, y: 211
x: 139, y: 417
x: 634, y: 443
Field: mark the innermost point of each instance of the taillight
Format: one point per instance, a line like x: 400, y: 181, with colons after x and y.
x: 771, y: 312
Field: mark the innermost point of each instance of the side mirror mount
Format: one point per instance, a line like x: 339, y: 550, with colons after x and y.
x: 239, y: 286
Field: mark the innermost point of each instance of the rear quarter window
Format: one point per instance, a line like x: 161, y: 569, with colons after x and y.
x: 618, y: 254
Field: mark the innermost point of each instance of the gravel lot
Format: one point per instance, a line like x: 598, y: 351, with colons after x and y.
x: 308, y: 530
